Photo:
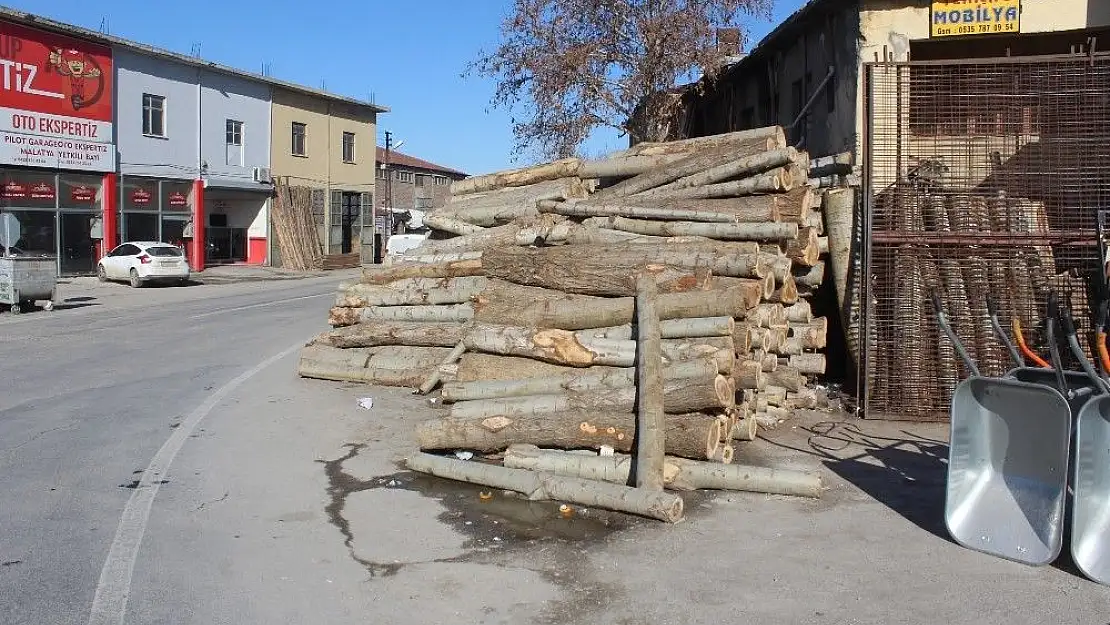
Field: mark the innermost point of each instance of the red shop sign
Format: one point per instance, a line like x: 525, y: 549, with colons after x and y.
x: 140, y: 196
x: 42, y: 191
x: 178, y: 198
x: 83, y: 194
x: 13, y: 190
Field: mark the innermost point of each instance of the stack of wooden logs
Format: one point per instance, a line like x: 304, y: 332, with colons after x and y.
x: 526, y: 316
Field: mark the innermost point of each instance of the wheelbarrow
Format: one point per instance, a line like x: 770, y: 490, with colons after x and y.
x: 1007, y: 464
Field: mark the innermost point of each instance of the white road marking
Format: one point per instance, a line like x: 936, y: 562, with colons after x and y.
x: 110, y: 603
x: 249, y: 306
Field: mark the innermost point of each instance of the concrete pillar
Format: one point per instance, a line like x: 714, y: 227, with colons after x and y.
x: 199, y: 222
x: 109, y: 207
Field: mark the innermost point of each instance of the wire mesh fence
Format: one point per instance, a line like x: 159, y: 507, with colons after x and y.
x: 983, y: 180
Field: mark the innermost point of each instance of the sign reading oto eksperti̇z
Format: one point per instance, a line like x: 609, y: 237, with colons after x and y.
x: 55, y: 101
x: 960, y: 18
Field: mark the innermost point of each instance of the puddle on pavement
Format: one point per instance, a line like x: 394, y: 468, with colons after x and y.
x: 489, y: 518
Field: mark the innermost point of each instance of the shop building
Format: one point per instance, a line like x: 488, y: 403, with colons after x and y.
x: 57, y: 148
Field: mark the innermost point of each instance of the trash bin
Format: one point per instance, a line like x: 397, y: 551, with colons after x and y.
x: 25, y: 280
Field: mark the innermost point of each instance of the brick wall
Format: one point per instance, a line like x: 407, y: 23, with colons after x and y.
x: 406, y: 192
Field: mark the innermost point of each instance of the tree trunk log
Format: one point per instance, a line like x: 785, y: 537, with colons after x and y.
x: 767, y: 339
x: 682, y: 396
x: 713, y: 211
x: 694, y: 163
x: 604, y: 269
x: 811, y: 277
x: 413, y: 292
x: 774, y: 181
x: 799, y: 313
x: 812, y: 364
x: 840, y: 207
x: 787, y: 377
x: 770, y: 363
x: 786, y: 294
x: 517, y: 177
x: 680, y: 474
x: 368, y: 366
x: 805, y: 249
x: 451, y: 269
x: 503, y: 206
x: 543, y: 486
x: 689, y: 436
x: 573, y: 270
x: 743, y: 167
x: 626, y: 166
x: 699, y: 327
x: 721, y: 231
x: 804, y: 398
x: 746, y: 429
x: 507, y: 303
x: 341, y: 316
x: 775, y: 395
x: 748, y: 374
x: 779, y: 264
x: 739, y: 142
x: 489, y: 367
x: 500, y: 236
x: 450, y: 222
x: 394, y: 333
x: 434, y: 378
x: 796, y: 204
x: 813, y: 335
x: 766, y: 315
x: 599, y: 379
x: 650, y: 419
x: 416, y: 258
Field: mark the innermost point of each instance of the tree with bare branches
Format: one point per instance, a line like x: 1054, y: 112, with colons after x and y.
x: 567, y: 67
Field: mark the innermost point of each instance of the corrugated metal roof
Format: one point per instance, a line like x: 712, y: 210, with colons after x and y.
x: 44, y: 23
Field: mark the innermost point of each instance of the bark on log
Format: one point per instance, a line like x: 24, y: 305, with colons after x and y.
x: 748, y: 374
x: 650, y: 420
x: 488, y: 367
x: 503, y: 302
x: 680, y: 474
x: 413, y: 292
x: 394, y: 333
x: 812, y: 364
x: 822, y: 244
x: 743, y: 167
x: 700, y: 327
x: 450, y: 222
x: 517, y: 177
x: 731, y: 210
x: 689, y: 436
x: 811, y: 277
x: 503, y: 206
x: 723, y: 455
x: 770, y: 363
x: 694, y: 163
x: 500, y: 236
x: 681, y: 396
x: 543, y: 486
x: 813, y: 335
x: 356, y: 365
x: 697, y: 372
x: 798, y: 313
x: 721, y: 231
x: 787, y: 377
x: 796, y: 204
x: 742, y: 339
x: 774, y: 181
x: 415, y: 257
x: 458, y: 313
x: 626, y: 166
x: 840, y: 211
x: 814, y: 219
x: 786, y: 294
x: 775, y: 395
x: 450, y: 269
x: 604, y: 269
x: 573, y: 270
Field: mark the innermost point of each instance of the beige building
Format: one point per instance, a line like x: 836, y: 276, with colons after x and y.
x: 328, y: 145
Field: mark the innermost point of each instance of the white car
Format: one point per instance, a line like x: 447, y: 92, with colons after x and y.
x: 140, y: 262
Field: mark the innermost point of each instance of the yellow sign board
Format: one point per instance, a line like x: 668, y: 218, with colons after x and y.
x: 962, y: 18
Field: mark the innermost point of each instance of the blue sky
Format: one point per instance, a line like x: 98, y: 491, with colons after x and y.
x: 409, y: 57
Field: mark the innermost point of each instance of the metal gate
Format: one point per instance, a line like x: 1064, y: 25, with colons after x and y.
x: 981, y: 179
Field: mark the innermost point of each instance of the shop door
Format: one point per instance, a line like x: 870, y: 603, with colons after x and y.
x: 352, y: 211
x: 79, y: 256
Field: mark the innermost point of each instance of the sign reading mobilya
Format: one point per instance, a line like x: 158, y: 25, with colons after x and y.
x: 957, y: 18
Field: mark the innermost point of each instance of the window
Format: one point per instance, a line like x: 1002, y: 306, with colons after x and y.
x: 441, y: 181
x: 299, y: 132
x: 154, y: 115
x: 382, y: 175
x: 404, y: 176
x: 348, y: 147
x: 420, y: 180
x: 234, y: 132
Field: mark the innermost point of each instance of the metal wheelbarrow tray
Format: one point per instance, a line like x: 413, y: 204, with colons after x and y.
x: 1008, y: 464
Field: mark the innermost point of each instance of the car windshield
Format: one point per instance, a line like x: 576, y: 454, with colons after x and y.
x: 163, y: 250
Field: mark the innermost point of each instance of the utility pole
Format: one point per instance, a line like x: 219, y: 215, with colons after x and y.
x: 388, y: 185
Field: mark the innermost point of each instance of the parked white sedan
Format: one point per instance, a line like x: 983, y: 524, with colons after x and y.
x: 140, y: 262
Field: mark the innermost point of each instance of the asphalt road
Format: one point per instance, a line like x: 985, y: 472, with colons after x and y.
x: 90, y: 393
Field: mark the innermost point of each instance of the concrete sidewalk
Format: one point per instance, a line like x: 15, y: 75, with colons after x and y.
x: 230, y: 274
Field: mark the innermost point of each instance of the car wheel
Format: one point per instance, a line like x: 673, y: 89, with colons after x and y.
x: 101, y: 274
x: 16, y: 309
x: 136, y: 281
